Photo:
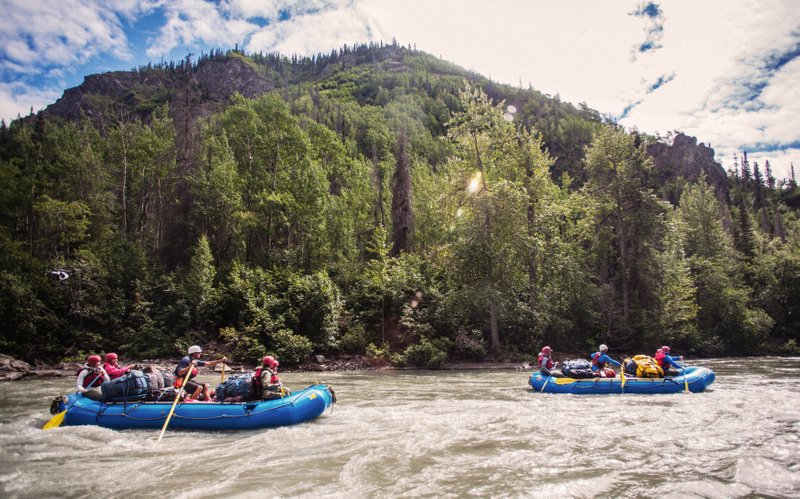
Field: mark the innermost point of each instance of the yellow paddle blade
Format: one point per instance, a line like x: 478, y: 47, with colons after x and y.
x: 55, y: 421
x: 564, y: 381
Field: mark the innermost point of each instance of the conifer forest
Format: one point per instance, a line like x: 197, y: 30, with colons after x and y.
x: 377, y: 201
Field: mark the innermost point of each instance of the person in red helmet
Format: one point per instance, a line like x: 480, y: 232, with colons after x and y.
x: 266, y: 383
x: 90, y: 377
x: 546, y: 364
x: 114, y: 371
x: 665, y: 360
x: 192, y: 362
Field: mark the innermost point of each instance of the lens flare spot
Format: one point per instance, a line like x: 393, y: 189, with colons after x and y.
x: 475, y: 183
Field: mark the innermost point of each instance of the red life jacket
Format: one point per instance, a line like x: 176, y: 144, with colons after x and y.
x: 549, y: 364
x: 257, y: 377
x: 91, y: 379
x: 660, y: 358
x: 179, y: 379
x: 596, y: 360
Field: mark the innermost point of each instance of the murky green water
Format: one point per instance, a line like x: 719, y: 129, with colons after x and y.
x: 437, y: 434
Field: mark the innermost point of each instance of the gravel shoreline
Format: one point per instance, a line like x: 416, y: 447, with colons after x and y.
x: 12, y: 369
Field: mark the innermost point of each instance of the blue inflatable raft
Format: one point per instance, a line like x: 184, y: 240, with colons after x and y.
x: 299, y: 407
x: 697, y: 379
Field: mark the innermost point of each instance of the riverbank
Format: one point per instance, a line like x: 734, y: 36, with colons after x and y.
x: 13, y: 369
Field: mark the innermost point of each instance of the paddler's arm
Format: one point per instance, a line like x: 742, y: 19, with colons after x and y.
x: 213, y: 363
x: 182, y: 371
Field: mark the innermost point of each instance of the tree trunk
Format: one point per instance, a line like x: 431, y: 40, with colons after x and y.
x: 494, y: 322
x: 124, y: 184
x: 402, y: 214
x: 533, y: 266
x: 622, y: 247
x: 380, y: 217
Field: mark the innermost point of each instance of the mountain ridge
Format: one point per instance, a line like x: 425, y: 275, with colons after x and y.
x: 195, y: 91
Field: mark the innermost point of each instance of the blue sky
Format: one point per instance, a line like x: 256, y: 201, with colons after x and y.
x: 725, y: 71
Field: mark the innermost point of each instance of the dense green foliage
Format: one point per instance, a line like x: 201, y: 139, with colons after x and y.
x: 380, y: 201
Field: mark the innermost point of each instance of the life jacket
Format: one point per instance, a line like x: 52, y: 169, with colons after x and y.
x: 179, y: 379
x: 596, y: 361
x: 660, y: 356
x: 257, y: 384
x: 549, y: 363
x: 91, y: 379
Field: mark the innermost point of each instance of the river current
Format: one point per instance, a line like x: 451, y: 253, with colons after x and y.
x: 477, y: 433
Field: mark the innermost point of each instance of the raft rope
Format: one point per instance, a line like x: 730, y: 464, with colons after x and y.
x: 651, y: 385
x: 248, y: 413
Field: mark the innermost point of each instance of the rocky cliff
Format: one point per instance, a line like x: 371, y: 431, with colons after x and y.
x: 137, y: 93
x: 688, y: 159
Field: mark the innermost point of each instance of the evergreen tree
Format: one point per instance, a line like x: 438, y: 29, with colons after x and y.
x: 758, y: 188
x: 768, y: 173
x: 402, y: 214
x: 628, y: 222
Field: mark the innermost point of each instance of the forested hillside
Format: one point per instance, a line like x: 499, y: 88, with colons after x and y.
x: 377, y: 200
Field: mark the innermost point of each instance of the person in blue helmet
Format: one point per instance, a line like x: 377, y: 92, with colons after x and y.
x: 599, y: 361
x: 665, y: 360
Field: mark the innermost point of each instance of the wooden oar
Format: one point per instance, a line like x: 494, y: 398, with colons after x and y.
x: 548, y: 378
x: 222, y: 378
x: 177, y: 398
x: 622, y: 374
x: 56, y: 420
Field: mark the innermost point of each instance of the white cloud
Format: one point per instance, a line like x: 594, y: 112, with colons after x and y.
x: 18, y: 99
x: 719, y: 52
x: 314, y: 33
x: 38, y: 34
x: 198, y: 22
x: 271, y: 9
x: 254, y: 8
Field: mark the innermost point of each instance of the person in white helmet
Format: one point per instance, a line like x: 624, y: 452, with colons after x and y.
x: 599, y: 361
x: 192, y: 362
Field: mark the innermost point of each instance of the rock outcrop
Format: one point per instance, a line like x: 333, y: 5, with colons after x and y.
x: 688, y: 159
x: 12, y: 369
x: 137, y: 93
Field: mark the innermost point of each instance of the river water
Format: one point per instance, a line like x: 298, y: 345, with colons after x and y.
x: 436, y: 434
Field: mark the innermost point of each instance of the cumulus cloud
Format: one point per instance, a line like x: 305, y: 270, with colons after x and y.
x: 313, y: 33
x: 197, y: 22
x: 257, y: 25
x: 277, y: 9
x: 18, y: 99
x: 736, y: 69
x: 654, y: 31
x: 39, y: 34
